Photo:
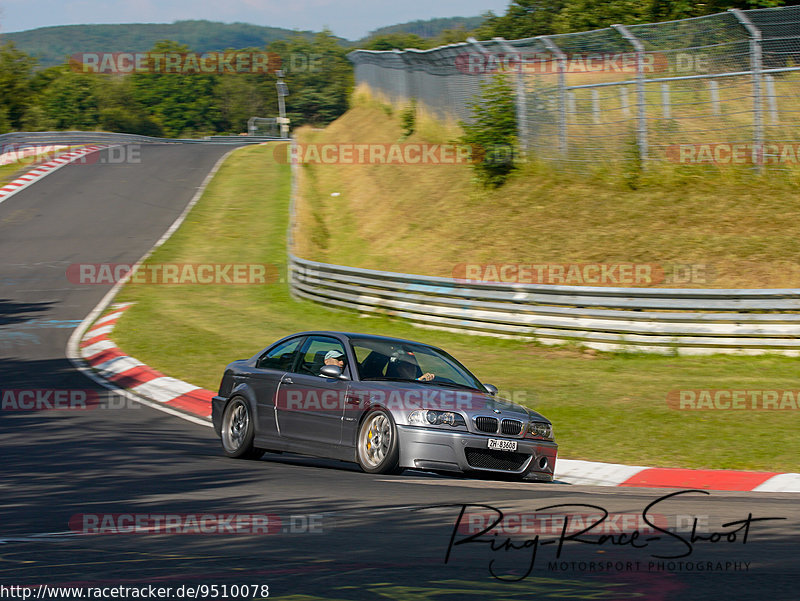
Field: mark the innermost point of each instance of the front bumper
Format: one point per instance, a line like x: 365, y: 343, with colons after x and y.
x: 434, y: 449
x: 217, y: 407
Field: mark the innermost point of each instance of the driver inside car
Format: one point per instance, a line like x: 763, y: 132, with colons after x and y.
x: 336, y: 358
x: 403, y: 365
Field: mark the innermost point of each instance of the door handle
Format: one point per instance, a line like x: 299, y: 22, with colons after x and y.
x: 351, y: 399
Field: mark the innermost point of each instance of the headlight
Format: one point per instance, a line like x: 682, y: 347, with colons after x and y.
x: 428, y: 417
x: 540, y: 430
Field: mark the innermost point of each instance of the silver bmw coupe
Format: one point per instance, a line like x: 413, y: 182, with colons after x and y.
x: 385, y: 403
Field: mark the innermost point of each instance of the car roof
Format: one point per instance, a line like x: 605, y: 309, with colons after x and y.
x: 357, y: 335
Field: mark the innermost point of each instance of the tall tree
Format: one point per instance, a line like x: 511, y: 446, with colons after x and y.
x: 182, y: 104
x: 392, y: 41
x: 525, y: 18
x: 71, y: 101
x: 319, y: 77
x: 15, y: 75
x: 528, y: 18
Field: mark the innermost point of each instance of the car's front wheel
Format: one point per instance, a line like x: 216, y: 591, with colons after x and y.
x: 238, y: 432
x: 378, y: 449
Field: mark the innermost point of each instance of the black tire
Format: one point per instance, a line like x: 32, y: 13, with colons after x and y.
x: 237, y: 432
x: 377, y: 448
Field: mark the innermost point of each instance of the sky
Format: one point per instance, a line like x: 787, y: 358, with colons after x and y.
x: 350, y: 19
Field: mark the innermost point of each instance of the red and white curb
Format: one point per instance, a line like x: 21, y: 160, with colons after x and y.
x: 44, y: 169
x: 114, y: 366
x: 573, y: 471
x: 111, y: 364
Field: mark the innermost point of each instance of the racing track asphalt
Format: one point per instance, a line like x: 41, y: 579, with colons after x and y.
x: 372, y: 537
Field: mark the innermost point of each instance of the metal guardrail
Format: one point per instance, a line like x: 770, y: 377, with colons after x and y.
x: 656, y: 320
x: 684, y: 321
x: 242, y: 139
x: 100, y: 137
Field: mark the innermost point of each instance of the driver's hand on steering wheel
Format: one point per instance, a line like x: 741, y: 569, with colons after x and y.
x: 426, y: 377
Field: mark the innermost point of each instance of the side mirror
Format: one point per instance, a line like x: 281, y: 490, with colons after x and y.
x: 491, y: 389
x: 331, y: 371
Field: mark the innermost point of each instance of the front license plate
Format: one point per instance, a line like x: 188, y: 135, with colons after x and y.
x: 502, y: 445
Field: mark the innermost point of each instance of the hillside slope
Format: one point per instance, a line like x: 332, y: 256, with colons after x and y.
x: 736, y: 229
x: 430, y: 28
x: 52, y: 44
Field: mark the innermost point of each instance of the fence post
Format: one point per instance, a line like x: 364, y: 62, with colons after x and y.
x: 393, y: 98
x: 641, y: 128
x: 756, y: 66
x: 713, y: 88
x: 521, y: 104
x: 623, y: 101
x: 572, y: 103
x: 562, y: 91
x: 772, y: 100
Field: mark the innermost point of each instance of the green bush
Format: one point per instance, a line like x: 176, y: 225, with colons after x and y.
x: 493, y: 131
x: 408, y: 119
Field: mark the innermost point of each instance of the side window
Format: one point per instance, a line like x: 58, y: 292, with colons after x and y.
x: 280, y: 357
x: 371, y: 363
x: 312, y: 355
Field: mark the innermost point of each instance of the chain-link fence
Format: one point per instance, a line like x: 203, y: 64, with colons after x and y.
x: 720, y: 89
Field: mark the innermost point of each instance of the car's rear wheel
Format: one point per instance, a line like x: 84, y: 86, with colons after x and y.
x: 378, y: 449
x: 238, y: 432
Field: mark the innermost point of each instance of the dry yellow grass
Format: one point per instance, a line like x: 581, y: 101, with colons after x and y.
x: 741, y: 228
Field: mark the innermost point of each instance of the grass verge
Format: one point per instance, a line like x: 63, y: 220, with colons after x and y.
x: 736, y: 228
x: 605, y: 407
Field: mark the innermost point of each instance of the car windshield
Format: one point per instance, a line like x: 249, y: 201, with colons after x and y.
x: 386, y: 359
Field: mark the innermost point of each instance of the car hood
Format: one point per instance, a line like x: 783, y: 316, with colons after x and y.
x: 407, y: 396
